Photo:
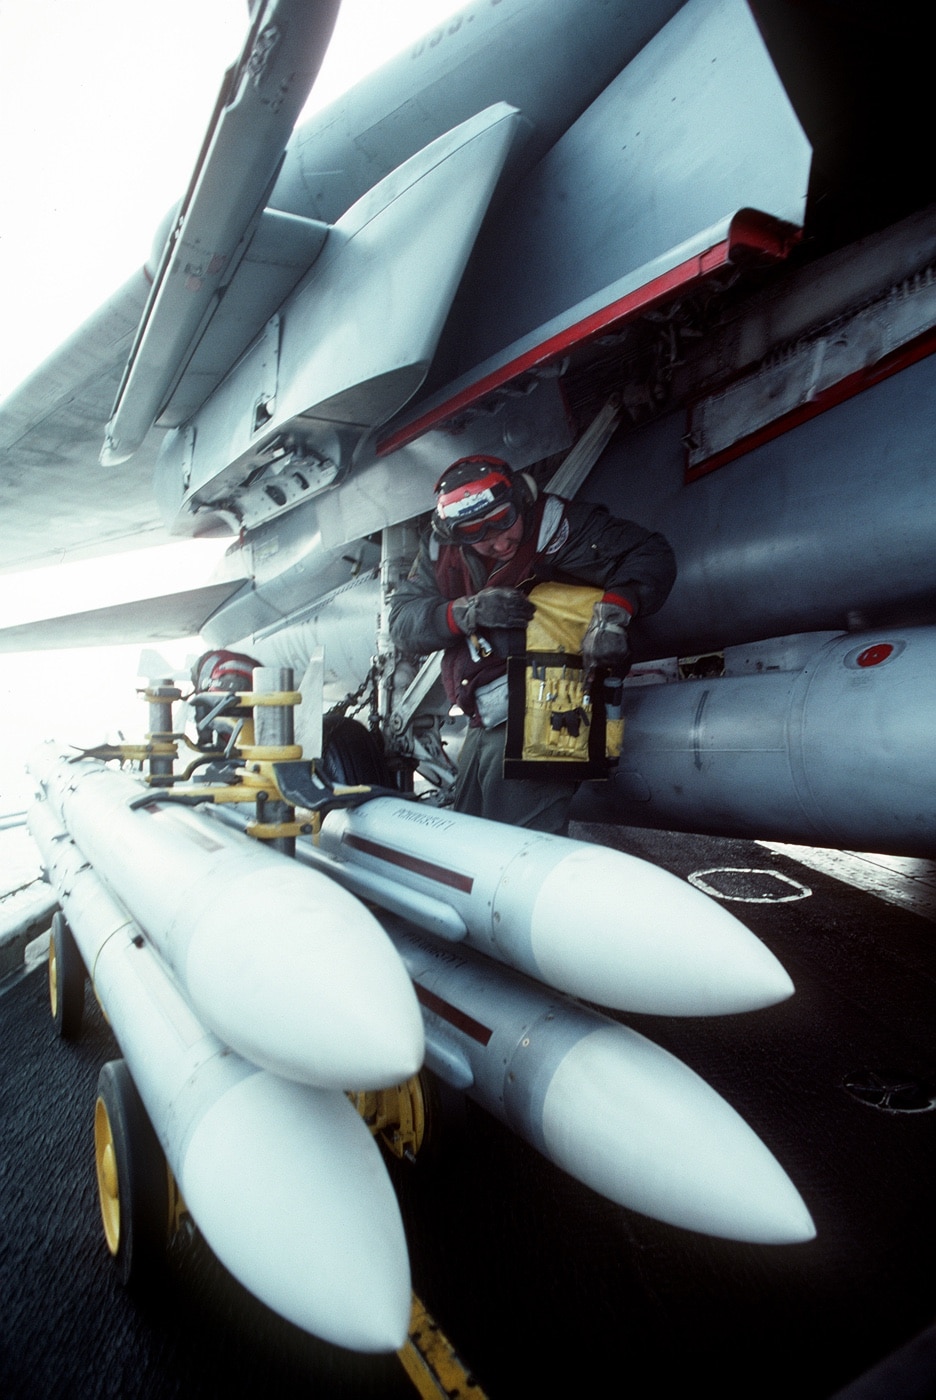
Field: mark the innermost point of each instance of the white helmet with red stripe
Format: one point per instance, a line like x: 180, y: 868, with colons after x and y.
x: 223, y: 670
x: 475, y: 496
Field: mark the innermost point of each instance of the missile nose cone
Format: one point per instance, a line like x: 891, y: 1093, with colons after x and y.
x: 322, y: 997
x: 383, y: 1042
x: 651, y: 943
x: 288, y: 1188
x: 640, y: 1127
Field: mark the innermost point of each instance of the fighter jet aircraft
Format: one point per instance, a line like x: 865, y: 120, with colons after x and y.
x: 660, y: 256
x: 669, y: 245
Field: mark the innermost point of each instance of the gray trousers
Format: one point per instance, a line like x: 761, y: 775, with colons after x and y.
x: 481, y: 789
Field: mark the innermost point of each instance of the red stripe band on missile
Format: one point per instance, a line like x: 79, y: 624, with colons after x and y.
x: 452, y: 878
x: 450, y: 1013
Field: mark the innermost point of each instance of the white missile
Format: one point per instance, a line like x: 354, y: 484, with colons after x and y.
x: 587, y: 920
x: 285, y: 967
x: 612, y: 1109
x: 284, y: 1180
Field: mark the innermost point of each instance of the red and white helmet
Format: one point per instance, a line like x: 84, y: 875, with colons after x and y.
x: 476, y: 496
x: 223, y: 671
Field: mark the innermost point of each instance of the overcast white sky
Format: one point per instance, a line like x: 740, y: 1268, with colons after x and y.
x: 103, y: 105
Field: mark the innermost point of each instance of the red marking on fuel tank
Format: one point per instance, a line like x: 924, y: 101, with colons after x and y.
x: 873, y: 656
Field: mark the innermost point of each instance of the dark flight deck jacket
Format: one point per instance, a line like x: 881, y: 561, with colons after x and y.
x: 566, y: 541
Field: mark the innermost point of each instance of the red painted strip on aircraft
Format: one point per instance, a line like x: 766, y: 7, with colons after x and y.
x: 848, y: 388
x: 452, y: 878
x: 749, y: 231
x: 459, y: 1019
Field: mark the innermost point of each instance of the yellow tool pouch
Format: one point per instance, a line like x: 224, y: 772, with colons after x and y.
x: 554, y: 728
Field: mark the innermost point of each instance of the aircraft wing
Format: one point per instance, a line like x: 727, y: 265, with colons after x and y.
x: 261, y: 98
x: 57, y: 502
x: 55, y: 497
x: 162, y: 618
x: 287, y: 366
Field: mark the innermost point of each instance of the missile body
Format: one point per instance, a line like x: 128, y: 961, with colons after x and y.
x: 285, y: 967
x: 587, y: 920
x: 822, y: 739
x: 611, y: 1108
x: 283, y: 1179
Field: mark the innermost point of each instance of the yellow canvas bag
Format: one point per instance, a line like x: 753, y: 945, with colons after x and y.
x: 552, y: 720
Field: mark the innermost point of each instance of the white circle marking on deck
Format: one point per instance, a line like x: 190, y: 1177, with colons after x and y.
x: 799, y: 891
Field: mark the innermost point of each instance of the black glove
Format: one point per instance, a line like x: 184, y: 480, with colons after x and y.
x: 605, y: 643
x: 492, y: 607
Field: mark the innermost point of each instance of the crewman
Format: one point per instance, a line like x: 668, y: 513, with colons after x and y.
x: 492, y: 537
